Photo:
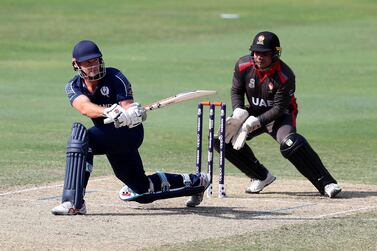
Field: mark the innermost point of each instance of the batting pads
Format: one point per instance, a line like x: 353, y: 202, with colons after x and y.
x: 173, y: 193
x: 165, y: 192
x: 77, y: 149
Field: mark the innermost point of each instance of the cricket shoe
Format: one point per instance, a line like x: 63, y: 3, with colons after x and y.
x: 257, y: 185
x: 332, y: 190
x: 196, y: 199
x: 67, y: 208
x: 126, y: 194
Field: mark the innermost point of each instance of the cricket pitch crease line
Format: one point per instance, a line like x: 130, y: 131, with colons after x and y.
x: 44, y: 187
x: 269, y: 213
x: 339, y: 213
x: 294, y: 207
x: 346, y: 212
x: 59, y: 196
x: 330, y: 215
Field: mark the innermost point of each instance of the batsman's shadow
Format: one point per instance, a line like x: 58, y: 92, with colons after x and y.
x: 234, y: 213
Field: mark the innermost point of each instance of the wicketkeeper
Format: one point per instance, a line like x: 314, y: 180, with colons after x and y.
x: 105, y: 93
x: 269, y: 87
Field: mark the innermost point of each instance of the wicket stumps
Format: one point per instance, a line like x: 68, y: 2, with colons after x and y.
x: 211, y: 137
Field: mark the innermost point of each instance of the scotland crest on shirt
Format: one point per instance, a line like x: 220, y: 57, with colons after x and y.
x: 105, y: 91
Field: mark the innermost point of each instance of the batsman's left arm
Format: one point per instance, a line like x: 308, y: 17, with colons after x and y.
x: 84, y: 106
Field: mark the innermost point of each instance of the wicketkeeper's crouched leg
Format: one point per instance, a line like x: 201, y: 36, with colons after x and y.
x: 244, y: 159
x: 297, y: 150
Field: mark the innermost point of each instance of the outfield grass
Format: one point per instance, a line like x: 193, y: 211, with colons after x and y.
x: 165, y: 47
x: 331, y: 234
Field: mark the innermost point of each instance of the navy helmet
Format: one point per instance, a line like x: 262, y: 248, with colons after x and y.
x: 266, y: 41
x: 86, y: 50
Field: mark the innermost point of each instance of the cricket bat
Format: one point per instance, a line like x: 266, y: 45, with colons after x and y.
x: 178, y: 98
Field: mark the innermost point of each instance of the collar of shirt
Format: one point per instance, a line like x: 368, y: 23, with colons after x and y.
x: 262, y: 75
x: 100, y: 82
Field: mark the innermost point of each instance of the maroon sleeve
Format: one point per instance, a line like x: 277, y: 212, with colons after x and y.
x: 282, y: 100
x: 238, y: 89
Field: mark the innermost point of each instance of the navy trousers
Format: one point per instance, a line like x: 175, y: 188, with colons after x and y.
x: 120, y: 145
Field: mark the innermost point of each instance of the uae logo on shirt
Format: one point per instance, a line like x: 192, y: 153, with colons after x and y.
x: 270, y: 86
x: 252, y: 83
x: 105, y: 91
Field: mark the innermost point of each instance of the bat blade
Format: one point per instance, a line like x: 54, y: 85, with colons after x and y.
x: 180, y: 97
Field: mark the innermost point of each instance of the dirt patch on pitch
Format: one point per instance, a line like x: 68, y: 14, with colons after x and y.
x: 26, y: 221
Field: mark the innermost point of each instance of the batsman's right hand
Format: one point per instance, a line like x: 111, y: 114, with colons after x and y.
x: 118, y: 115
x: 137, y: 114
x: 234, y: 123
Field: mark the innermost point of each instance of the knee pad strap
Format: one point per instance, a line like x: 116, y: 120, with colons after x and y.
x: 165, y: 185
x: 186, y: 180
x: 291, y: 143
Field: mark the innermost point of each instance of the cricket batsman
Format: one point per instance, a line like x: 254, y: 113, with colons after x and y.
x: 99, y: 93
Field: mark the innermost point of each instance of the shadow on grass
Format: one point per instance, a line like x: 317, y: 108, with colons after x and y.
x: 342, y: 195
x: 357, y: 194
x: 231, y: 213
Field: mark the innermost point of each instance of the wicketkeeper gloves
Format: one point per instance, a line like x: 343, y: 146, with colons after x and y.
x: 234, y: 123
x: 251, y: 124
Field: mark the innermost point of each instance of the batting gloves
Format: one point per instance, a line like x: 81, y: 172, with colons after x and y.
x: 133, y: 116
